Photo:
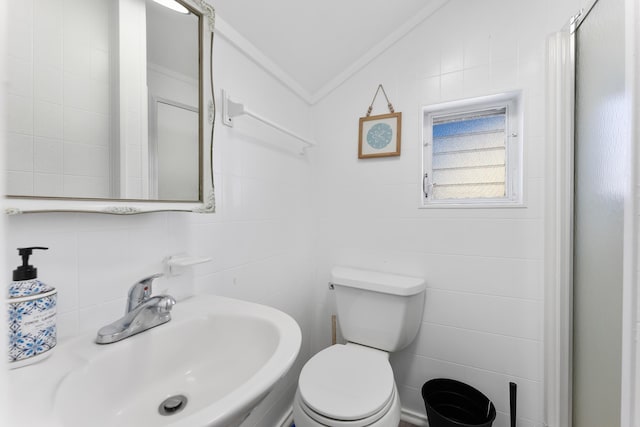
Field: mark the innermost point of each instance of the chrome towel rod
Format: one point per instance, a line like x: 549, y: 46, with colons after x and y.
x: 232, y: 109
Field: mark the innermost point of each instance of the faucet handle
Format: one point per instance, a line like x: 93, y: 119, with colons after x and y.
x: 141, y: 291
x: 166, y: 304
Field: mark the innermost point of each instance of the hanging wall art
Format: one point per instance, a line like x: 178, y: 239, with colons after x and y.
x: 380, y: 136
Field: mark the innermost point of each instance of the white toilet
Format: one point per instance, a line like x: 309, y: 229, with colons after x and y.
x: 352, y: 385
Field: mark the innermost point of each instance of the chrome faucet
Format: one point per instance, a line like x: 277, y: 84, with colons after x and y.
x: 143, y: 312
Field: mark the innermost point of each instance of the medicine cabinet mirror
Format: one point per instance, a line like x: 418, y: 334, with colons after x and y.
x: 110, y: 106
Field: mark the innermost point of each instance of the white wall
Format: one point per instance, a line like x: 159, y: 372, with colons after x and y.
x: 259, y: 238
x: 130, y: 131
x: 281, y: 221
x: 58, y: 98
x: 172, y: 86
x: 484, y: 267
x: 168, y: 84
x: 4, y: 389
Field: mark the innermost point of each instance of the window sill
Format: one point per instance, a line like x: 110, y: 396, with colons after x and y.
x: 471, y: 205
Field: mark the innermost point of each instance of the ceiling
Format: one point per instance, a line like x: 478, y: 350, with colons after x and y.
x: 317, y: 45
x: 172, y: 40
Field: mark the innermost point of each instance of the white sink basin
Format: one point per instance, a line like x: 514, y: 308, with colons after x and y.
x: 223, y: 355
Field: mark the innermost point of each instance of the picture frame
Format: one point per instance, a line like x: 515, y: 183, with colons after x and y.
x: 380, y: 136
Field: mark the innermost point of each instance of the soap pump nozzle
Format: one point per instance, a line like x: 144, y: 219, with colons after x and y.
x: 26, y: 271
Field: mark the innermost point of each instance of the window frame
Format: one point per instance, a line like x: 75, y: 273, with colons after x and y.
x: 514, y: 150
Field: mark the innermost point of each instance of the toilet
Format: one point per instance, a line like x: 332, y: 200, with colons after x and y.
x: 352, y: 385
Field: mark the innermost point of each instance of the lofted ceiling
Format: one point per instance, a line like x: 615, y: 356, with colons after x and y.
x: 317, y: 45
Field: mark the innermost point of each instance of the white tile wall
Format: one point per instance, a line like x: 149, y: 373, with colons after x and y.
x: 21, y: 25
x: 19, y: 114
x: 259, y: 238
x: 21, y: 148
x: 50, y: 185
x: 92, y: 259
x: 47, y: 120
x: 48, y: 156
x: 86, y: 127
x: 22, y: 181
x: 20, y: 75
x: 4, y: 392
x: 282, y: 218
x: 58, y: 86
x: 48, y: 83
x: 167, y: 84
x: 483, y: 267
x: 85, y: 186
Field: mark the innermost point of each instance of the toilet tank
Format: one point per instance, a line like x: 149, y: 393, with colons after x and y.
x: 376, y: 309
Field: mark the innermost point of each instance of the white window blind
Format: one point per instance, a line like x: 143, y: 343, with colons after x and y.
x: 469, y: 155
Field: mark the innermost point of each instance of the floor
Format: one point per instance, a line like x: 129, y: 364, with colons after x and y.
x: 402, y: 424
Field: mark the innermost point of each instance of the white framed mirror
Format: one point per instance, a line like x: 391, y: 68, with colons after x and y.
x: 111, y: 106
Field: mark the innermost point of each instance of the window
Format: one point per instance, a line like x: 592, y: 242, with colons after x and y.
x: 472, y: 153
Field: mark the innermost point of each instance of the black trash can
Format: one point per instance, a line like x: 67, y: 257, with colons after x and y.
x: 451, y: 403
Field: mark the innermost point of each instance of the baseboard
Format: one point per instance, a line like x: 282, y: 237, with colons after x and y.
x: 414, y: 418
x: 287, y: 418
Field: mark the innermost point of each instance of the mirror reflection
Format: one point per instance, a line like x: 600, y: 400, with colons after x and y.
x: 104, y: 100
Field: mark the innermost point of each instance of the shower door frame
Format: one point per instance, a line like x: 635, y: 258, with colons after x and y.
x: 559, y: 194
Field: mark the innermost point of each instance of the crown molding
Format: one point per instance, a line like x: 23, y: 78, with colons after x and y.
x: 251, y: 51
x: 377, y: 50
x: 237, y: 40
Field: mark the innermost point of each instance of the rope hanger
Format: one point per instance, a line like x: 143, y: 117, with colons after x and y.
x: 374, y: 99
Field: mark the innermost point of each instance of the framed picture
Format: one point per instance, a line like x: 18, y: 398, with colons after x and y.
x: 379, y: 136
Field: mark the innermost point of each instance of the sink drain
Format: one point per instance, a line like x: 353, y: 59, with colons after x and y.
x: 172, y: 405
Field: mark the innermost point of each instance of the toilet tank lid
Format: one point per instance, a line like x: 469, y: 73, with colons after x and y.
x: 377, y: 281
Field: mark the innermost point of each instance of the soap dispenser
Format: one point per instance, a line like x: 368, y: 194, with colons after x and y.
x: 32, y: 314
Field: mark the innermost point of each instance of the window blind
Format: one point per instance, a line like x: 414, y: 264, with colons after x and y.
x: 468, y: 155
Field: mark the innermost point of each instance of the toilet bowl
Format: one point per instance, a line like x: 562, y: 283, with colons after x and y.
x: 347, y: 386
x: 352, y: 385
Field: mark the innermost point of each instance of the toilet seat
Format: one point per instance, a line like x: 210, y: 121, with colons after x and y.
x: 347, y: 385
x: 320, y: 420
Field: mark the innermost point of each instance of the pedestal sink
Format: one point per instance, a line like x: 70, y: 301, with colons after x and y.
x: 209, y: 366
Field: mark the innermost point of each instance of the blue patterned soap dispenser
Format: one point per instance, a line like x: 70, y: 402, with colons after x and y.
x: 32, y: 315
